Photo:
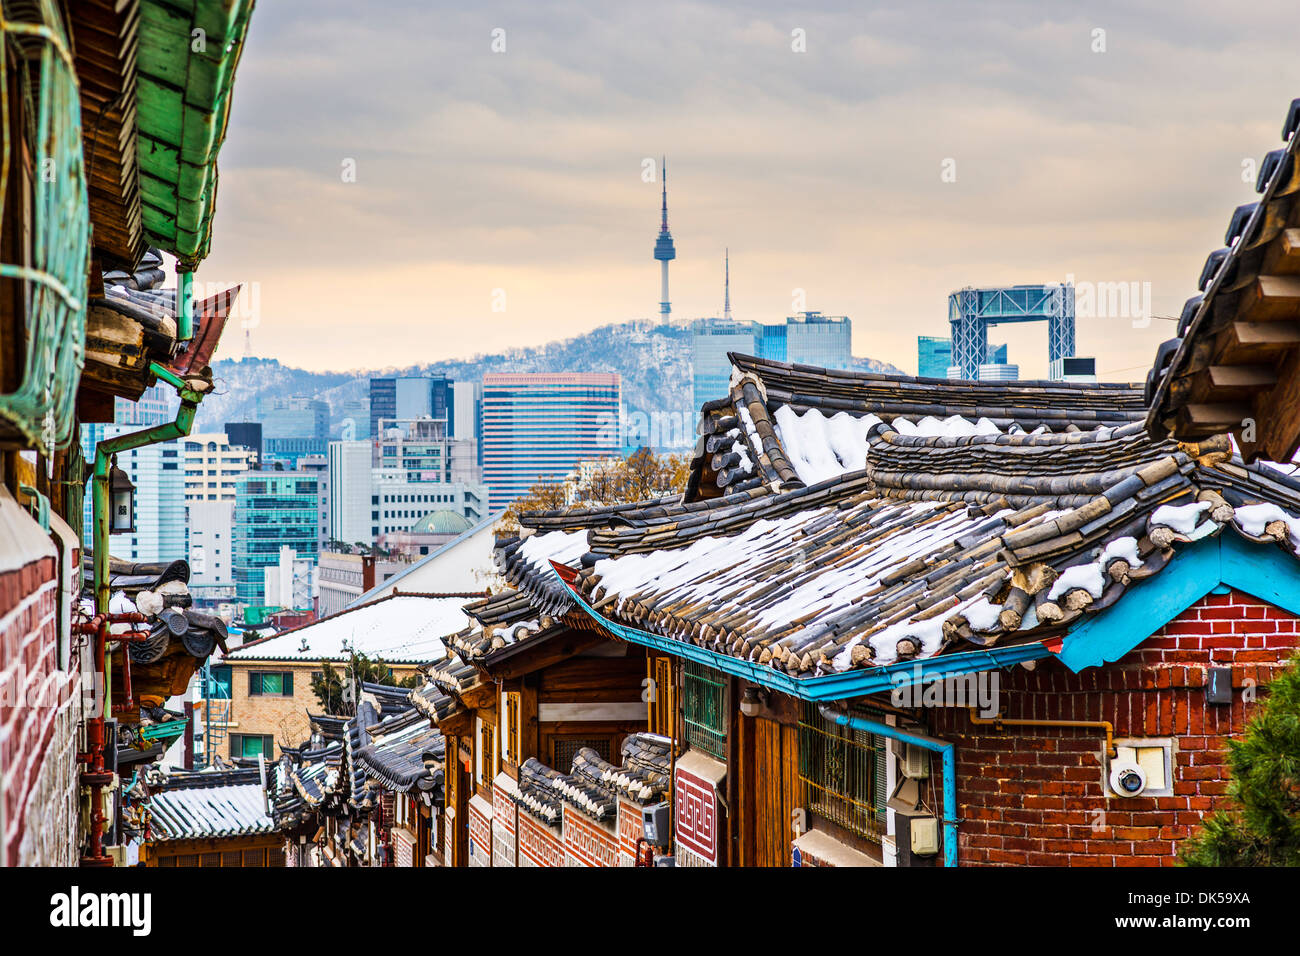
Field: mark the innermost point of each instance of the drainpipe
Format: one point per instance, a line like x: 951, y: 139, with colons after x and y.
x: 933, y: 744
x: 184, y: 303
x: 96, y: 777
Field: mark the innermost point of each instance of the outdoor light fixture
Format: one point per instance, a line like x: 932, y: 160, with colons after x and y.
x: 751, y: 702
x: 121, y: 495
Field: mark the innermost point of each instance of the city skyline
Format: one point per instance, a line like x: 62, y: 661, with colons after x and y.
x: 521, y: 171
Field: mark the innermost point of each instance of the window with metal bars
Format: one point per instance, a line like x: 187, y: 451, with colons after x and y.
x: 704, y: 709
x: 842, y: 774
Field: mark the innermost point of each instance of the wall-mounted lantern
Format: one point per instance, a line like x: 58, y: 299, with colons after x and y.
x: 121, y: 496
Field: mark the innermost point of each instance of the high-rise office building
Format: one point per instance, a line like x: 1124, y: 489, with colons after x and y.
x: 293, y: 427
x: 934, y: 357
x: 807, y: 339
x: 273, y: 509
x: 354, y: 419
x: 410, y: 398
x: 211, y: 547
x: 540, y: 425
x: 350, y: 492
x: 467, y: 410
x: 156, y: 472
x: 246, y: 435
x: 318, y: 465
x: 383, y: 402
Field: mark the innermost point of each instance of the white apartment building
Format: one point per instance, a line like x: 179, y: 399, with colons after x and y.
x: 211, y: 466
x: 211, y: 525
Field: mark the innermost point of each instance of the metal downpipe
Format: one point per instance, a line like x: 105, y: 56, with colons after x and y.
x: 947, y: 751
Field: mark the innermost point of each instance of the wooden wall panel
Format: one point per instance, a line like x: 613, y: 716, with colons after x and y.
x: 776, y: 790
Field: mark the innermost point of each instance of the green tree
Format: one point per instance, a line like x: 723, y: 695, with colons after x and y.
x: 330, y: 686
x: 1264, y: 827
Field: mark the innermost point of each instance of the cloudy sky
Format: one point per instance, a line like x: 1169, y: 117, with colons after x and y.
x: 908, y: 150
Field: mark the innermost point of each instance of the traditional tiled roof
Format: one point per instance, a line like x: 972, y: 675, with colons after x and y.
x: 593, y: 784
x: 405, y: 754
x: 304, y: 780
x: 921, y: 544
x: 207, y: 804
x: 503, y: 620
x: 433, y: 702
x: 542, y: 790
x: 1232, y: 366
x: 644, y: 776
x: 524, y: 563
x: 786, y: 426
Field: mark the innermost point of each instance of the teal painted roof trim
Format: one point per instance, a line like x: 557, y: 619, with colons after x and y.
x: 1226, y: 560
x: 1212, y: 565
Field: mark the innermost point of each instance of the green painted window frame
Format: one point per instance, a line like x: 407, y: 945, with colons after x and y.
x: 704, y: 709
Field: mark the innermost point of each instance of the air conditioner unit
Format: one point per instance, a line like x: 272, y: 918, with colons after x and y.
x: 925, y: 835
x: 913, y: 762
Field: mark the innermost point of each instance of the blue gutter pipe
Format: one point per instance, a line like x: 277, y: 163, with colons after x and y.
x: 933, y: 744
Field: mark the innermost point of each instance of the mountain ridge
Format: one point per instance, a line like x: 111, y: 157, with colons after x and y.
x: 654, y: 362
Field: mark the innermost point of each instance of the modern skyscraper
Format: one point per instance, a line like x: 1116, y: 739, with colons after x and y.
x: 540, y: 425
x: 155, y: 470
x: 383, y: 401
x: 247, y: 435
x: 350, y: 492
x: 808, y: 339
x: 665, y: 251
x: 293, y: 427
x: 211, y: 547
x: 934, y: 356
x: 272, y: 509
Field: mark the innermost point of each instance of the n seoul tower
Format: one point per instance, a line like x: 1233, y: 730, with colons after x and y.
x: 664, y: 250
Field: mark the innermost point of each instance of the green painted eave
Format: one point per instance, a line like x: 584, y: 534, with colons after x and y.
x: 188, y: 53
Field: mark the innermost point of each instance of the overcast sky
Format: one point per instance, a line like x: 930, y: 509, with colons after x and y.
x: 829, y: 170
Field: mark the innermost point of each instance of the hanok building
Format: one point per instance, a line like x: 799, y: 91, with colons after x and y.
x: 526, y: 688
x: 1235, y: 365
x: 366, y: 790
x: 211, y: 818
x: 847, y: 541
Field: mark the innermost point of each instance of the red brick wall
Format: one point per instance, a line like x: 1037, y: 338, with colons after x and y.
x: 1036, y: 796
x: 28, y: 648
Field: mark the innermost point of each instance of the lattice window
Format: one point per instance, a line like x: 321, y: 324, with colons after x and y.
x: 564, y: 749
x: 704, y: 709
x: 841, y: 771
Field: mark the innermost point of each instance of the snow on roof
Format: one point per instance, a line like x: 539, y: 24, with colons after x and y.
x: 821, y: 446
x: 403, y: 629
x: 198, y: 812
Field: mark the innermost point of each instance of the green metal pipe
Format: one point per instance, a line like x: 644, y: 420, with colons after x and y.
x: 184, y: 303
x: 104, y: 454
